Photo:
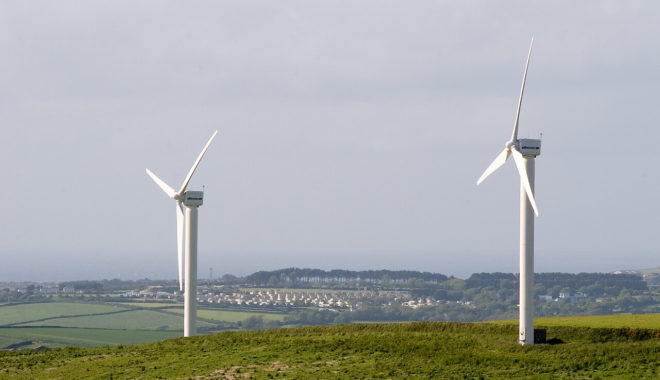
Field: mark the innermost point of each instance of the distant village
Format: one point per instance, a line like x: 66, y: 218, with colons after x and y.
x: 289, y: 298
x: 480, y: 296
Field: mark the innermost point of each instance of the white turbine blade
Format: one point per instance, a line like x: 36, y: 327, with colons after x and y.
x: 499, y: 161
x: 179, y: 240
x: 514, y: 135
x: 166, y: 188
x: 520, y: 164
x: 194, y: 167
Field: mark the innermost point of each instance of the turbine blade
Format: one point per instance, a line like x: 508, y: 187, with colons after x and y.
x: 180, y: 240
x: 524, y: 177
x: 514, y: 135
x: 166, y: 188
x: 499, y: 161
x: 194, y: 167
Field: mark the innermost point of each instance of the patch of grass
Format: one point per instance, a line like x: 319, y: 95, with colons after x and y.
x: 396, y: 350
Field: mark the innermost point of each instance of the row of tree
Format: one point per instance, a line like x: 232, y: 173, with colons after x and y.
x: 304, y: 277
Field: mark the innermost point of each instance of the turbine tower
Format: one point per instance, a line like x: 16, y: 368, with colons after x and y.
x: 186, y: 236
x: 524, y: 152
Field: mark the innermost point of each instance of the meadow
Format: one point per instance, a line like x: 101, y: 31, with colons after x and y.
x: 375, y: 350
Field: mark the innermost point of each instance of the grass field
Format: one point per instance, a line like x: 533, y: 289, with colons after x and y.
x: 635, y: 321
x: 60, y: 337
x: 357, y: 351
x: 151, y: 305
x: 651, y: 270
x: 220, y: 315
x: 89, y: 324
x: 129, y: 320
x: 12, y: 314
x: 233, y: 316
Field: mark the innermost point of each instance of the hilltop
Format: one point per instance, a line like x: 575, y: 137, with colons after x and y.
x: 650, y: 275
x: 398, y: 350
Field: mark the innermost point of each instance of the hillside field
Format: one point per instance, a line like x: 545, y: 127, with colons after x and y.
x: 634, y: 321
x: 374, y: 350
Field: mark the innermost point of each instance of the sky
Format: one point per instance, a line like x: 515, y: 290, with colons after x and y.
x: 351, y: 135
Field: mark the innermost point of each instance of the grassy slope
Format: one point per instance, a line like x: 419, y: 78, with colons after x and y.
x: 635, y: 321
x: 420, y: 349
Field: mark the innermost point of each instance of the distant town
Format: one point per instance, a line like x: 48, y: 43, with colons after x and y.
x: 357, y: 295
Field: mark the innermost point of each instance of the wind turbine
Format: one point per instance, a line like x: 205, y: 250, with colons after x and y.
x: 524, y: 152
x: 186, y: 236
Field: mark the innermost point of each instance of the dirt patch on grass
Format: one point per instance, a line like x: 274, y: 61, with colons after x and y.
x: 277, y: 366
x: 233, y: 373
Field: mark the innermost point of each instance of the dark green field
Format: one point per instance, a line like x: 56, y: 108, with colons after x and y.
x: 59, y: 324
x: 397, y: 350
x: 81, y: 337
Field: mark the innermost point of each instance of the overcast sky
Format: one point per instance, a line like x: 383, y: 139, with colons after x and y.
x: 351, y: 134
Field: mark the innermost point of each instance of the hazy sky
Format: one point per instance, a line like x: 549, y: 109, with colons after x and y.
x: 352, y: 134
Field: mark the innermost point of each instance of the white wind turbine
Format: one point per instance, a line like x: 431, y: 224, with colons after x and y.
x: 524, y: 152
x: 186, y: 236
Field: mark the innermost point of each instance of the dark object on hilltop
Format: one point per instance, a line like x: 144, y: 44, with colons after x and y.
x: 554, y: 341
x: 539, y: 336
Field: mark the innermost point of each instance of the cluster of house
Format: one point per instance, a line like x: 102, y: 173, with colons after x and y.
x: 44, y: 288
x: 572, y: 298
x: 273, y: 297
x: 159, y: 295
x: 54, y: 289
x: 290, y: 298
x: 415, y: 303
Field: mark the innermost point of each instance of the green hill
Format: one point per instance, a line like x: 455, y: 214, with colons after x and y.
x: 396, y: 350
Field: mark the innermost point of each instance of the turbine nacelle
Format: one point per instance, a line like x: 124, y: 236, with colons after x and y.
x: 529, y: 147
x: 193, y: 198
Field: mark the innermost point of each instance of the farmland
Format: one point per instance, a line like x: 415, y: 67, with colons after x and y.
x: 375, y: 350
x: 82, y: 337
x: 58, y: 324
